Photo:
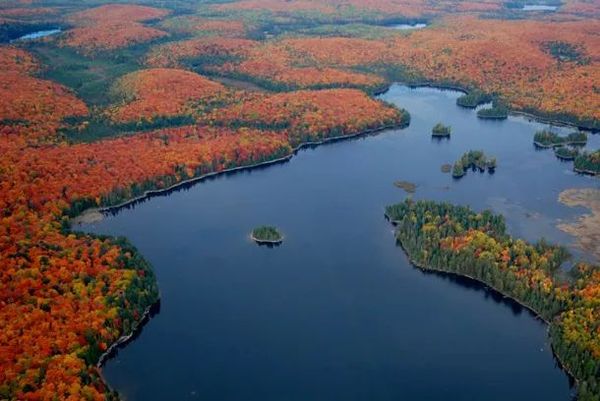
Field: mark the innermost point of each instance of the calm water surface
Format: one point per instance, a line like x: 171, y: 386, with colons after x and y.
x: 539, y: 7
x: 408, y: 26
x: 39, y: 34
x: 337, y: 312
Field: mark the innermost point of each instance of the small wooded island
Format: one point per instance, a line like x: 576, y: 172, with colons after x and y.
x: 566, y: 153
x: 588, y: 163
x: 441, y: 131
x: 475, y: 160
x: 266, y: 235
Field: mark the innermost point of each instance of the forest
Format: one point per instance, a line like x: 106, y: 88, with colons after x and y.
x: 129, y: 98
x: 455, y: 239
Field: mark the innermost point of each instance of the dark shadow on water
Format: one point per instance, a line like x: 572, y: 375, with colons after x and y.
x: 440, y: 139
x: 269, y: 244
x: 477, y: 286
x: 114, y: 352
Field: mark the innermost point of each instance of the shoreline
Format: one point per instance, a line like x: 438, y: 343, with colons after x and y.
x: 425, y: 84
x: 153, y: 192
x: 266, y: 241
x: 511, y: 111
x: 125, y: 338
x: 534, y: 312
x: 586, y: 172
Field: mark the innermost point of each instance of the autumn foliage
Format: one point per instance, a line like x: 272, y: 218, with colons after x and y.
x: 65, y: 297
x: 443, y: 237
x: 162, y: 92
x: 507, y: 58
x: 31, y: 108
x: 113, y: 26
x: 199, y: 26
x: 174, y: 54
x: 308, y: 115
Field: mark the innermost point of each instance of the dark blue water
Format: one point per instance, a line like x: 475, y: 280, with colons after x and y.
x: 337, y: 312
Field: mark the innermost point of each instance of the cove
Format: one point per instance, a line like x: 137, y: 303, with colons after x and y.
x: 337, y: 312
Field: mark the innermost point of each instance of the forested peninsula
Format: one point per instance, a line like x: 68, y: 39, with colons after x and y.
x: 455, y: 239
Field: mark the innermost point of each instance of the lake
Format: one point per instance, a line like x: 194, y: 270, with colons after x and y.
x: 539, y: 7
x: 405, y: 27
x: 337, y: 312
x: 39, y: 34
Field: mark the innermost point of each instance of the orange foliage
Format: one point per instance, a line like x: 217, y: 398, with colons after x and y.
x: 110, y: 36
x: 277, y: 62
x: 385, y: 8
x: 54, y: 286
x: 31, y: 105
x: 58, y: 284
x: 505, y: 57
x: 111, y: 13
x: 113, y: 26
x: 14, y: 60
x: 309, y: 114
x: 202, y: 26
x: 278, y: 6
x: 172, y: 54
x: 588, y: 8
x: 162, y: 92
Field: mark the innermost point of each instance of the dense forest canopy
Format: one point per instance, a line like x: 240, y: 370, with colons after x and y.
x: 131, y: 97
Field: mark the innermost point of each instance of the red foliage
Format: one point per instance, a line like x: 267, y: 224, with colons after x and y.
x: 203, y: 26
x: 309, y: 114
x: 276, y: 62
x: 31, y: 106
x: 162, y: 92
x: 112, y: 26
x: 112, y: 13
x: 172, y: 54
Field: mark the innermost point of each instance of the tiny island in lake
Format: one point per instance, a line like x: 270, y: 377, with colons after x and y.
x: 441, y: 131
x: 588, y: 163
x: 566, y: 153
x: 266, y: 235
x: 475, y: 160
x: 407, y: 186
